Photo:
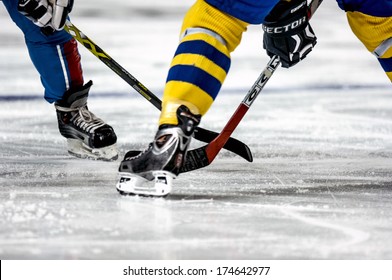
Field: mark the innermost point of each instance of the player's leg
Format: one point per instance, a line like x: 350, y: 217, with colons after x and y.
x: 61, y: 73
x: 196, y: 74
x: 371, y: 22
x: 57, y: 59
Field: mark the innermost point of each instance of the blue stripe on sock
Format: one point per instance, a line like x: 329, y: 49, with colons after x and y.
x: 386, y: 64
x: 203, y: 48
x: 195, y: 76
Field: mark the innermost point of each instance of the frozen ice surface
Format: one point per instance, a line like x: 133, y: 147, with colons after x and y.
x: 320, y: 186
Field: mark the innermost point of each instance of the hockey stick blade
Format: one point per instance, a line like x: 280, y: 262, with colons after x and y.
x: 233, y: 145
x: 204, y: 156
x: 201, y: 134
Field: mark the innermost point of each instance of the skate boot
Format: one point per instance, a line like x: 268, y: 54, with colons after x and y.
x: 151, y: 172
x: 87, y: 136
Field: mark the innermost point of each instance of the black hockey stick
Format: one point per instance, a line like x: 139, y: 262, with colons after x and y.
x: 203, y: 156
x: 200, y: 134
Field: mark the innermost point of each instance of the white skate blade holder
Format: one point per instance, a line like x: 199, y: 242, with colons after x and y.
x: 78, y: 149
x: 134, y: 184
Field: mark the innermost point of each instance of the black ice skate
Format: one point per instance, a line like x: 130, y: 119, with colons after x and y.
x: 87, y: 136
x: 152, y: 171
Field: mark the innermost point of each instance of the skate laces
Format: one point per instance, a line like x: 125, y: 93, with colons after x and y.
x: 86, y: 115
x: 82, y: 118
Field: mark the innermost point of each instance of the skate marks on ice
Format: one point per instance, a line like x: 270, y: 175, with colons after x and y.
x: 95, y: 223
x: 274, y: 224
x: 319, y: 188
x: 317, y: 221
x: 323, y: 170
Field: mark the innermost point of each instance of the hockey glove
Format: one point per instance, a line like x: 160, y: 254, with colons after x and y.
x: 287, y: 32
x: 50, y: 15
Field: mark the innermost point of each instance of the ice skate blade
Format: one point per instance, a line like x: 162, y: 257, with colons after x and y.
x: 78, y: 149
x: 132, y: 184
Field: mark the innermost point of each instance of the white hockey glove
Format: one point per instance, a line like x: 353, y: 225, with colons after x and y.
x: 50, y: 15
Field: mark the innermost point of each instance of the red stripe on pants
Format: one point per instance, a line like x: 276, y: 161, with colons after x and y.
x: 72, y: 57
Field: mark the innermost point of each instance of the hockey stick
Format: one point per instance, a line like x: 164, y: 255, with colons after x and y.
x: 200, y: 134
x: 203, y: 156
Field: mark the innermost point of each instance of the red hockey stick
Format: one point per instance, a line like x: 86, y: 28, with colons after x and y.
x: 203, y: 156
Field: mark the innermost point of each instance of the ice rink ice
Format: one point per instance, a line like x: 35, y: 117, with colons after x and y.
x: 320, y: 186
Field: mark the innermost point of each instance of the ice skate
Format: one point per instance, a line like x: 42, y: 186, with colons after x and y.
x: 151, y: 172
x: 87, y: 135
